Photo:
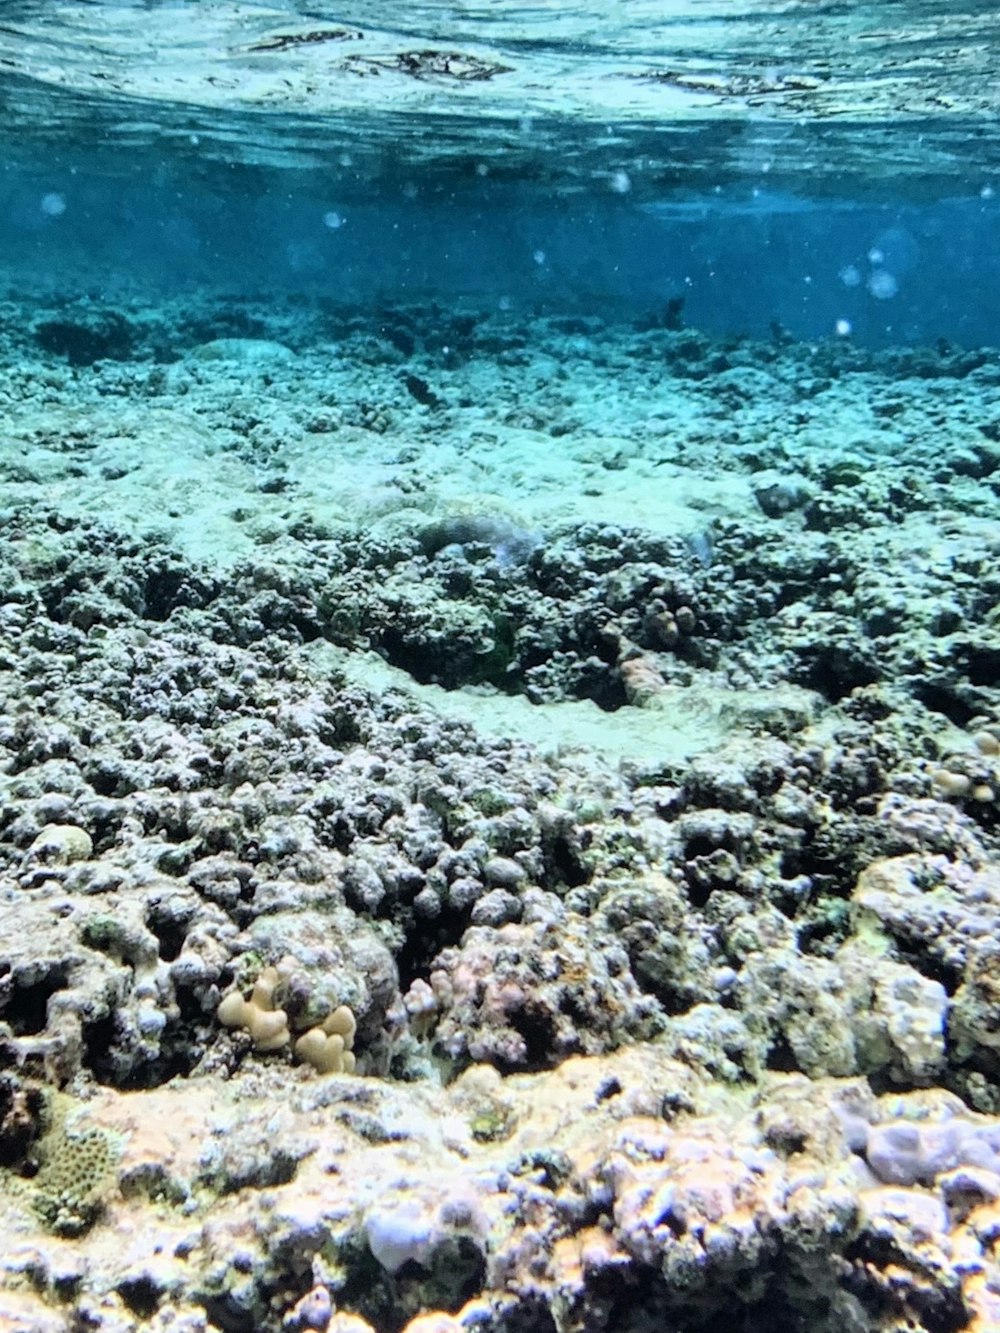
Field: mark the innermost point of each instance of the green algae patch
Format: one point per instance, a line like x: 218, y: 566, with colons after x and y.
x: 77, y: 1171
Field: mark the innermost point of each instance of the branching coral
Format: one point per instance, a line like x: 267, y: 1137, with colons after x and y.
x: 326, y: 1046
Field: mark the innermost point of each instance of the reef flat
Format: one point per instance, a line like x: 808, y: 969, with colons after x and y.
x: 498, y: 823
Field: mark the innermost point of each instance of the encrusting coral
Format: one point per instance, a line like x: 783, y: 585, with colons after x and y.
x: 76, y: 1173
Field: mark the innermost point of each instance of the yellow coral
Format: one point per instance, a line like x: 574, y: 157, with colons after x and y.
x: 328, y: 1047
x: 267, y: 1025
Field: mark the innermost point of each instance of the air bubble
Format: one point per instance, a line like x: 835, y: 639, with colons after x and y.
x: 882, y: 285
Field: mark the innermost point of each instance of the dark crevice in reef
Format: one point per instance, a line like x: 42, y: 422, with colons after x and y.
x: 26, y: 1006
x: 631, y: 1302
x: 106, y: 1050
x: 98, y: 1037
x: 421, y: 947
x: 537, y: 1027
x: 22, y: 1120
x: 563, y: 865
x: 456, y: 1273
x: 224, y: 1312
x: 781, y: 1059
x: 982, y: 663
x: 141, y: 1294
x: 944, y: 699
x: 834, y: 670
x: 103, y: 335
x: 932, y: 1306
x: 170, y: 933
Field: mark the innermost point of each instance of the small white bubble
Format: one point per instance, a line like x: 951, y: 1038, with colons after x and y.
x: 842, y: 328
x: 333, y: 220
x: 807, y: 279
x: 194, y: 140
x: 346, y: 160
x: 620, y: 182
x: 538, y: 256
x: 504, y: 303
x: 482, y: 169
x: 882, y: 285
x: 875, y: 255
x: 987, y: 192
x: 53, y: 205
x: 850, y: 275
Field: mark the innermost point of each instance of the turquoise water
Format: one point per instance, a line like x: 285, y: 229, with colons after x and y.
x: 749, y: 159
x: 499, y: 667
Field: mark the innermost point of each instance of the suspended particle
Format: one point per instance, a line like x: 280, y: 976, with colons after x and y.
x: 882, y: 285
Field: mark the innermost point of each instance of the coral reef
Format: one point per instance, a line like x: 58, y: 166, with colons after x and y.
x: 439, y: 913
